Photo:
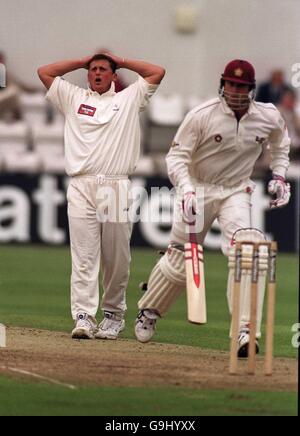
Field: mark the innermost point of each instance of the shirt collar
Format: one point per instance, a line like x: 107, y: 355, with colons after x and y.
x: 253, y: 108
x: 224, y: 106
x: 110, y: 92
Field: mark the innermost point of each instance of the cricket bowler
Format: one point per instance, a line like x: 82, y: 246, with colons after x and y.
x: 102, y: 146
x: 215, y: 149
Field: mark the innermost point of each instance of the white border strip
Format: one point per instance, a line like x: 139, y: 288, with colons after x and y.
x: 41, y: 377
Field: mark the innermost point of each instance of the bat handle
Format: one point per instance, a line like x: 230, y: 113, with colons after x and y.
x: 192, y: 234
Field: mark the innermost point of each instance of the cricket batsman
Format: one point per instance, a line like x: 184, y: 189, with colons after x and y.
x: 215, y: 149
x: 102, y: 145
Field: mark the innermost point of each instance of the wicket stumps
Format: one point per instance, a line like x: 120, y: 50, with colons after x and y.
x: 247, y: 255
x: 2, y: 336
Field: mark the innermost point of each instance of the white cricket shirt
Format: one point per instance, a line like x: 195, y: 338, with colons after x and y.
x: 102, y: 132
x: 211, y: 146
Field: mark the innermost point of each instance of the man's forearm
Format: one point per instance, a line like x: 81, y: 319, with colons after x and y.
x: 280, y: 156
x: 178, y: 172
x: 47, y: 73
x: 150, y: 72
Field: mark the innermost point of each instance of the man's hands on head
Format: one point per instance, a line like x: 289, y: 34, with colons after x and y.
x: 118, y: 61
x: 153, y: 74
x: 48, y: 73
x: 281, y: 191
x: 85, y: 61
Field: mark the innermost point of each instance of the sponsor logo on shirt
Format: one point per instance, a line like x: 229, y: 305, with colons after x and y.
x: 84, y: 109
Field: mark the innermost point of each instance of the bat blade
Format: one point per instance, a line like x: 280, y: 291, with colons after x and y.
x: 195, y: 283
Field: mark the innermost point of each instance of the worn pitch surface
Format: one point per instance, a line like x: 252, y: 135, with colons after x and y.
x: 125, y: 362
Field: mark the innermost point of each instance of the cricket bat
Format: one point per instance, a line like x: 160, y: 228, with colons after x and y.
x: 195, y: 283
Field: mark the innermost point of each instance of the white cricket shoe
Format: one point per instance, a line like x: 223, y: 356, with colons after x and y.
x: 110, y: 326
x: 84, y: 328
x: 145, y: 325
x: 244, y: 339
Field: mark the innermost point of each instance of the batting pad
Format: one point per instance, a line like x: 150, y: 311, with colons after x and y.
x: 166, y: 282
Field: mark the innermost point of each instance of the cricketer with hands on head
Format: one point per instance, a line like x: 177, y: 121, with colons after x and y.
x: 215, y: 149
x: 102, y: 145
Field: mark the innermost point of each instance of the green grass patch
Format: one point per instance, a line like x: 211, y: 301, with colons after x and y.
x: 34, y: 292
x: 35, y: 282
x: 40, y: 399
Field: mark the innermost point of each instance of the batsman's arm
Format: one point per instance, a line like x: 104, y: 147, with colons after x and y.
x: 152, y: 73
x: 279, y: 148
x: 179, y: 157
x: 47, y: 73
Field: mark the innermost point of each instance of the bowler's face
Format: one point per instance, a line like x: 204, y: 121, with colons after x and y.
x: 100, y: 76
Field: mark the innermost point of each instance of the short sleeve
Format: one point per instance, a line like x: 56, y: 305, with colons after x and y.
x: 61, y: 94
x: 141, y: 91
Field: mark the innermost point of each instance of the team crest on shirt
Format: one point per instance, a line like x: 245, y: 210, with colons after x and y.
x: 175, y: 144
x: 84, y: 109
x: 261, y: 141
x: 218, y: 138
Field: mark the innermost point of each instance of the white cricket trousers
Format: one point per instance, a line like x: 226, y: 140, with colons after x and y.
x: 232, y: 208
x: 98, y: 238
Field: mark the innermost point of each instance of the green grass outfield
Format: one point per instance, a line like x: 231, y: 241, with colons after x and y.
x: 34, y: 292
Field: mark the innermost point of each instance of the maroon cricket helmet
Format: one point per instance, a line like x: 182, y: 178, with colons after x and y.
x: 239, y: 71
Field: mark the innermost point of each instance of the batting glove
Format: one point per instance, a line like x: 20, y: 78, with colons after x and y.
x: 189, y: 205
x: 281, y: 190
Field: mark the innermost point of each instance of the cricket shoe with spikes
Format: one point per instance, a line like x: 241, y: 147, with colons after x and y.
x: 243, y: 340
x: 110, y: 327
x: 85, y: 327
x: 145, y: 325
